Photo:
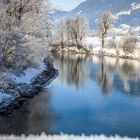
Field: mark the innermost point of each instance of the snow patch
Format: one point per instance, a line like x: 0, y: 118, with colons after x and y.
x: 29, y: 74
x: 92, y: 43
x: 4, y: 97
x: 127, y: 12
x: 135, y: 6
x: 65, y: 137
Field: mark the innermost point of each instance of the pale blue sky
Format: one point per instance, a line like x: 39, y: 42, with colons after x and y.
x: 66, y: 4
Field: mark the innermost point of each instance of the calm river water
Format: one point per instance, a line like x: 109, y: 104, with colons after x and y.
x: 91, y: 95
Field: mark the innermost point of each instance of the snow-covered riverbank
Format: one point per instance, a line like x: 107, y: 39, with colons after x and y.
x: 12, y: 96
x: 92, y: 46
x: 65, y: 137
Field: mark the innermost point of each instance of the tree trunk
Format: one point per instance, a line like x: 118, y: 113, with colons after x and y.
x: 62, y: 44
x: 103, y: 42
x: 78, y: 44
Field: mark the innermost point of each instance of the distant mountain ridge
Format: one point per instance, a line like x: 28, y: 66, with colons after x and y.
x: 57, y: 15
x: 127, y: 11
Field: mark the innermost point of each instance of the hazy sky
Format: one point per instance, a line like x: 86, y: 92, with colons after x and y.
x: 66, y: 4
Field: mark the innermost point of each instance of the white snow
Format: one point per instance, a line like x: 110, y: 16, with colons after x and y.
x: 125, y: 29
x: 4, y: 97
x: 127, y: 12
x: 95, y: 42
x: 92, y: 43
x: 65, y: 137
x: 135, y: 6
x: 29, y: 74
x: 124, y: 26
x: 79, y: 13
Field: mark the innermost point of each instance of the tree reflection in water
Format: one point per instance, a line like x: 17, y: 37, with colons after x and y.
x: 129, y: 74
x: 61, y: 110
x: 108, y: 72
x: 126, y: 70
x: 105, y: 75
x: 72, y: 69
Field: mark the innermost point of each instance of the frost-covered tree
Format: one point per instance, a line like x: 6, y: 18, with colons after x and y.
x: 71, y: 32
x: 25, y: 30
x: 76, y: 30
x: 129, y: 43
x: 62, y: 33
x: 18, y: 8
x: 105, y: 25
x: 21, y: 23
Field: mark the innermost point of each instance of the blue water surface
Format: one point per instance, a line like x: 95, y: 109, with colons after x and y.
x: 90, y: 96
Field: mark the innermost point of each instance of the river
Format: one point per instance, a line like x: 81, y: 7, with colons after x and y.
x: 90, y: 96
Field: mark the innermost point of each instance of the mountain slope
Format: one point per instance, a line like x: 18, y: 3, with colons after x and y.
x: 58, y: 15
x: 127, y: 11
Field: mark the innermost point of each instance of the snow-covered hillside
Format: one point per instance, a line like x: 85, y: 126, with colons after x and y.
x: 58, y: 15
x: 126, y: 11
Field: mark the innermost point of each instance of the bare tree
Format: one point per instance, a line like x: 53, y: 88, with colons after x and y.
x: 61, y: 33
x: 77, y: 29
x: 129, y: 43
x: 104, y: 26
x: 71, y: 32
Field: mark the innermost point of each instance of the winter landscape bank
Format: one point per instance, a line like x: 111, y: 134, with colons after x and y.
x: 73, y: 35
x: 92, y: 46
x: 25, y: 67
x: 94, y: 94
x: 13, y: 96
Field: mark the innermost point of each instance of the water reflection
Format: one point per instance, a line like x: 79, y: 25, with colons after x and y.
x: 34, y: 117
x: 107, y: 72
x: 104, y: 78
x: 72, y: 69
x: 108, y: 98
x: 129, y: 70
x: 92, y: 95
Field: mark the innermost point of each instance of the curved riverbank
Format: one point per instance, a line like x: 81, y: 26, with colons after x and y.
x: 15, y: 94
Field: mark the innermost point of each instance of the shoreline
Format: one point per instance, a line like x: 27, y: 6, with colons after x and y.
x: 62, y: 136
x: 16, y: 94
x: 99, y: 53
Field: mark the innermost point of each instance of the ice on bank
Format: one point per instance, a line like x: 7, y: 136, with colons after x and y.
x: 65, y: 137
